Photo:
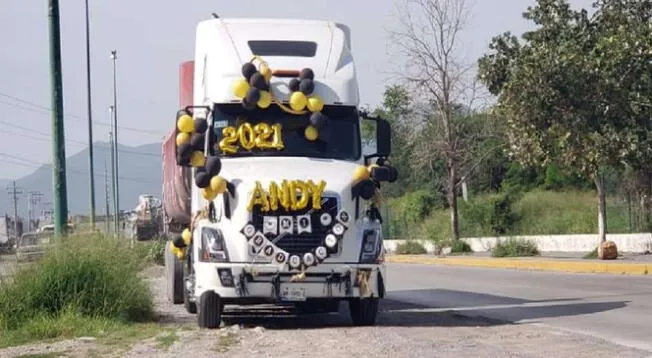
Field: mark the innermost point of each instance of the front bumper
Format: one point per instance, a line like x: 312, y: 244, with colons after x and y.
x: 265, y: 283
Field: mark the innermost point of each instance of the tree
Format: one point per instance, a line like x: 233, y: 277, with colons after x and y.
x: 577, y: 89
x: 427, y: 40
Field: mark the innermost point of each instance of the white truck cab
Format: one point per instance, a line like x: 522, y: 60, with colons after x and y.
x: 284, y: 202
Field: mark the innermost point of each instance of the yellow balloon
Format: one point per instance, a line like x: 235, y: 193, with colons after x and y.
x: 240, y: 88
x: 371, y: 166
x: 180, y: 254
x: 298, y: 101
x: 311, y: 133
x: 265, y: 99
x: 360, y: 173
x: 197, y: 159
x: 265, y: 71
x: 186, y: 124
x: 183, y: 137
x: 208, y: 194
x: 187, y: 236
x: 315, y: 104
x: 218, y: 184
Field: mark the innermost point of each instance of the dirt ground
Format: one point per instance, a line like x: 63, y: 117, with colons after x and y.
x: 402, y: 331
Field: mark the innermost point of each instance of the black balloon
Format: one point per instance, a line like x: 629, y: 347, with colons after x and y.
x: 367, y: 189
x: 317, y: 119
x: 178, y: 242
x: 248, y: 69
x: 257, y: 80
x: 197, y: 141
x: 213, y: 165
x: 184, y: 149
x: 307, y: 86
x: 394, y: 174
x: 294, y: 84
x: 307, y: 73
x: 183, y: 160
x: 202, y: 179
x: 253, y: 95
x: 248, y: 105
x: 200, y: 125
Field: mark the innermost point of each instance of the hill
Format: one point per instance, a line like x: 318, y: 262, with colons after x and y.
x: 140, y: 172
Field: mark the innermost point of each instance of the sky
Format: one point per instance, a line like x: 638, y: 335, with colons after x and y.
x: 152, y: 38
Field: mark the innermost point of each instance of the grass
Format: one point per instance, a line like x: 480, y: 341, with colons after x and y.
x: 225, y: 342
x: 591, y: 255
x: 166, y: 340
x: 84, y: 286
x: 410, y: 248
x: 515, y: 248
x: 538, y: 213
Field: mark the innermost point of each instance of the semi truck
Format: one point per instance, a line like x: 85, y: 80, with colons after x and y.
x: 265, y: 183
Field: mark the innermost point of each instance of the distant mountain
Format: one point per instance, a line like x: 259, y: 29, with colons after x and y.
x: 140, y: 172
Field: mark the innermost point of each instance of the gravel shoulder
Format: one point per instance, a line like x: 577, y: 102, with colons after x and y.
x: 403, y: 330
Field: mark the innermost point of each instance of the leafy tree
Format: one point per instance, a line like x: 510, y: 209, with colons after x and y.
x: 577, y: 89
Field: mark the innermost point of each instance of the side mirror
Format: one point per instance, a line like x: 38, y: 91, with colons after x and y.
x: 383, y: 138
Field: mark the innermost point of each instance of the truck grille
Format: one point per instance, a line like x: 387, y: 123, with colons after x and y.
x: 299, y: 243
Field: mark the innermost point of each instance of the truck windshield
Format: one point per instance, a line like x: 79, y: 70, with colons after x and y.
x: 342, y: 140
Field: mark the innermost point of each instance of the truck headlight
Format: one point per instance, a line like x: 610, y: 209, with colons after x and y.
x: 371, y: 246
x: 213, y: 246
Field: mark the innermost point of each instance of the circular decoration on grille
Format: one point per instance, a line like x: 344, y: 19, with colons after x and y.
x: 295, y: 261
x: 331, y: 240
x: 259, y: 240
x: 343, y: 217
x: 268, y: 250
x: 325, y: 219
x: 321, y: 252
x: 249, y: 230
x: 280, y: 257
x: 308, y: 259
x: 338, y: 229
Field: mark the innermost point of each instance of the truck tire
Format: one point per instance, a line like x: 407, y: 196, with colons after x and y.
x: 364, y: 311
x: 173, y: 277
x: 210, y: 310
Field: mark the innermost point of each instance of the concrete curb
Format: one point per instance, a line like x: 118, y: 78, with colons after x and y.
x: 528, y: 264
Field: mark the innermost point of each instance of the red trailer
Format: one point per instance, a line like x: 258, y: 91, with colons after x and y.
x: 177, y: 181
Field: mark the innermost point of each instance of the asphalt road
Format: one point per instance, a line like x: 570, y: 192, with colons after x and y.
x: 611, y: 307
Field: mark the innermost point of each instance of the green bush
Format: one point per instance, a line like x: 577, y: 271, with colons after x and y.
x: 503, y: 218
x: 156, y: 252
x: 408, y: 210
x: 89, y: 276
x: 460, y: 247
x: 515, y: 248
x: 411, y: 248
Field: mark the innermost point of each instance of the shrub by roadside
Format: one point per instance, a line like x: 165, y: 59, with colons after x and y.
x: 515, y: 248
x: 410, y: 248
x: 88, y: 281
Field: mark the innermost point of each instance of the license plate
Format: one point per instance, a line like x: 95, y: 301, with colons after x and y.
x: 293, y: 294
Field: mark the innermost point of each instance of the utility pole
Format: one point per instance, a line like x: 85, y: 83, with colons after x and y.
x: 14, y: 192
x: 112, y: 150
x: 116, y: 209
x: 106, y: 198
x: 91, y: 175
x: 33, y: 199
x: 58, y: 140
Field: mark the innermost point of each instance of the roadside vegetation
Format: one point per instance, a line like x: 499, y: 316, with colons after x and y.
x: 515, y: 248
x: 84, y: 286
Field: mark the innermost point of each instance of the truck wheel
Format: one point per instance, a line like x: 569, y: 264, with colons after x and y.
x: 173, y: 276
x: 364, y: 311
x: 210, y: 310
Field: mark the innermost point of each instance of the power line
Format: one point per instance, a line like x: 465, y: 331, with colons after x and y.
x: 14, y: 192
x: 73, y: 116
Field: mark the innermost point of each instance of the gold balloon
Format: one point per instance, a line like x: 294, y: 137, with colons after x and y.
x: 197, y: 159
x: 187, y: 236
x: 311, y: 133
x: 315, y: 104
x: 240, y: 88
x: 360, y: 173
x: 229, y: 138
x: 265, y: 99
x: 182, y: 138
x: 218, y: 184
x: 277, y: 137
x: 302, y: 188
x: 265, y: 71
x: 263, y: 134
x: 186, y: 124
x: 180, y: 254
x: 208, y: 193
x: 298, y: 101
x: 247, y: 136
